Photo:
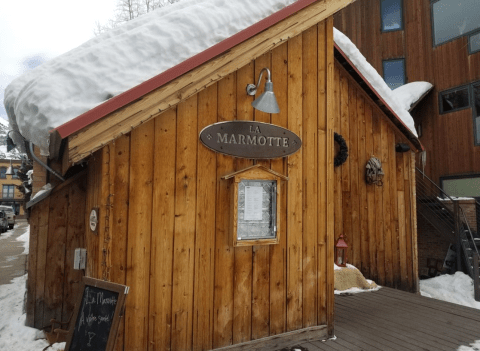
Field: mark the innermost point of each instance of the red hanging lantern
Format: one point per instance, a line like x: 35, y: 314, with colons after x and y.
x: 341, y: 252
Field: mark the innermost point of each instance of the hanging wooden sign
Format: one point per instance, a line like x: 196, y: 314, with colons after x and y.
x: 249, y: 139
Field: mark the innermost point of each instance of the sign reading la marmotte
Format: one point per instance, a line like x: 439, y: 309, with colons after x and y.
x: 248, y: 139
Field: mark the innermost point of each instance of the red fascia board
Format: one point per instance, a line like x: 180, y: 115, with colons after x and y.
x: 376, y: 93
x: 148, y: 86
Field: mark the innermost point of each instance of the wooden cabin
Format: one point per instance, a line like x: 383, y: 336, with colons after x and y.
x: 165, y: 200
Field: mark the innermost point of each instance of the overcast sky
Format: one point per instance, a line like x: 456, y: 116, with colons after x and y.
x: 33, y: 31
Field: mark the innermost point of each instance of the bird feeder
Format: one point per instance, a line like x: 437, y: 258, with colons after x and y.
x: 341, y: 252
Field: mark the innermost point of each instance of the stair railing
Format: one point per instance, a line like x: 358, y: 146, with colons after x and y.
x: 451, y: 222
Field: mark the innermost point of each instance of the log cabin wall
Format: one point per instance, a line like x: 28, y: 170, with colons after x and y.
x: 165, y: 214
x: 378, y: 221
x: 448, y: 138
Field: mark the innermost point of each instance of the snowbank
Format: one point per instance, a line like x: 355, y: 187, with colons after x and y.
x: 397, y: 102
x: 456, y: 288
x: 63, y: 88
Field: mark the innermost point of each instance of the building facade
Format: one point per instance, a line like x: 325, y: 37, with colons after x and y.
x: 11, y: 196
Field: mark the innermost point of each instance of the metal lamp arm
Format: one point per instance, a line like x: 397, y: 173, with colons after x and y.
x: 252, y: 88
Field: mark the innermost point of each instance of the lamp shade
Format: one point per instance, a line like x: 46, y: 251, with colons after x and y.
x: 267, y: 101
x: 10, y: 170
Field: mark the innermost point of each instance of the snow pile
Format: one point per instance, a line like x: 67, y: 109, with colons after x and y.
x: 456, y: 288
x: 408, y: 94
x: 63, y: 88
x: 377, y: 82
x: 350, y: 280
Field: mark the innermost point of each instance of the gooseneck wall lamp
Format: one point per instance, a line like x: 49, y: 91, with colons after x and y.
x: 266, y: 102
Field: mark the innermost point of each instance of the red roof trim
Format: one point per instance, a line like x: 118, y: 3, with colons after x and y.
x: 146, y: 87
x: 376, y: 93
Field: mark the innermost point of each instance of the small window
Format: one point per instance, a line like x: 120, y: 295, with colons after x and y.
x: 394, y: 73
x: 8, y: 191
x: 14, y: 175
x: 462, y: 187
x: 476, y: 113
x: 474, y: 43
x: 454, y: 100
x: 391, y: 15
x: 3, y: 171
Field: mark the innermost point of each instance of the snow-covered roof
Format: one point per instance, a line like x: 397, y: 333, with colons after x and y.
x: 64, y: 88
x: 399, y: 102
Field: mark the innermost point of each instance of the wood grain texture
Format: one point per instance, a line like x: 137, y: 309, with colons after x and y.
x: 139, y: 239
x: 32, y: 267
x: 295, y: 189
x: 160, y: 324
x: 185, y: 208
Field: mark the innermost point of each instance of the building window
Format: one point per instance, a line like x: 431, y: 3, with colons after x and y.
x: 452, y: 19
x: 462, y: 186
x: 474, y: 43
x: 8, y: 191
x: 3, y: 171
x: 394, y: 73
x: 453, y: 100
x: 14, y: 175
x: 460, y: 98
x: 391, y: 15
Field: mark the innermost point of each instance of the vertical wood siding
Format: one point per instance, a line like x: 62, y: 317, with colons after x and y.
x: 376, y: 220
x: 448, y: 138
x: 190, y: 289
x: 57, y: 229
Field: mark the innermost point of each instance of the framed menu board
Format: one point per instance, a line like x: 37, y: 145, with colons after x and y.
x: 255, y: 206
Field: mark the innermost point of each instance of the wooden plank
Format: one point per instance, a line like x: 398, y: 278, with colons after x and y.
x: 185, y: 208
x: 75, y: 239
x: 104, y: 201
x: 92, y: 137
x: 43, y: 218
x: 205, y: 227
x: 278, y: 259
x: 362, y: 188
x: 32, y: 266
x: 338, y: 198
x: 91, y: 239
x: 160, y: 323
x: 309, y: 174
x: 119, y: 213
x: 387, y: 208
x: 261, y: 253
x: 357, y: 109
x: 402, y: 240
x: 295, y: 189
x: 347, y: 110
x: 56, y: 242
x: 242, y: 314
x: 372, y: 244
x: 392, y: 169
x: 413, y: 209
x: 224, y: 253
x: 408, y: 224
x: 379, y: 215
x: 329, y: 183
x: 322, y: 175
x: 139, y: 236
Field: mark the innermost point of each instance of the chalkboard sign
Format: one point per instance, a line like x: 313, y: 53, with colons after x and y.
x: 97, y: 316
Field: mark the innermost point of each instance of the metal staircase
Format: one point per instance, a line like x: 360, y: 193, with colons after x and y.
x: 448, y: 218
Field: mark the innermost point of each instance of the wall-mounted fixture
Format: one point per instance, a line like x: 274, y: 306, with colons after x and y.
x: 341, y: 252
x: 267, y: 101
x: 374, y: 172
x: 402, y: 147
x: 10, y: 170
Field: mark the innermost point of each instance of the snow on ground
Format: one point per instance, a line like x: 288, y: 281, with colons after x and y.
x: 63, y: 88
x: 397, y: 102
x: 14, y: 335
x: 456, y: 288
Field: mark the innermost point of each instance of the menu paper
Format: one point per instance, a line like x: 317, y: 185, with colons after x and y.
x: 253, y: 203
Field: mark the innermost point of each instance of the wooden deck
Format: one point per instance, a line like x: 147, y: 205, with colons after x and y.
x: 391, y: 319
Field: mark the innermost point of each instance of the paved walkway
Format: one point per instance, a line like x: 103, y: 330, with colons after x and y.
x: 12, y: 259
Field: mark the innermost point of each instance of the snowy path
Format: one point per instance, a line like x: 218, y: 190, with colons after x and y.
x: 12, y: 253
